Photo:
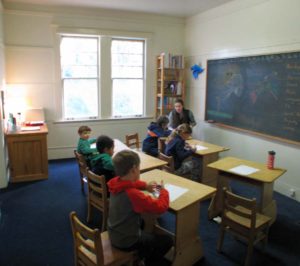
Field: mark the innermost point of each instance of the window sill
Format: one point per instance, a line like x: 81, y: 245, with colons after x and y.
x: 112, y: 119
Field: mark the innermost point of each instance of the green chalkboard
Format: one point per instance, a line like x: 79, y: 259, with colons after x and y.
x: 256, y: 93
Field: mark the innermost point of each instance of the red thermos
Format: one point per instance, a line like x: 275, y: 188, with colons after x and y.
x: 271, y: 158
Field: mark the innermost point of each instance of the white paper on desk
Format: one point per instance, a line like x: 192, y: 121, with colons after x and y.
x: 30, y: 128
x: 201, y: 148
x: 93, y: 145
x: 243, y: 170
x: 175, y: 191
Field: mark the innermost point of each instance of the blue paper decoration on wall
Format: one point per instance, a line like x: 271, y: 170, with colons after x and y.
x: 196, y: 69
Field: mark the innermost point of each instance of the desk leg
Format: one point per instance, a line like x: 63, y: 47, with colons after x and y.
x: 188, y: 246
x: 267, y: 204
x: 216, y: 205
x: 209, y: 175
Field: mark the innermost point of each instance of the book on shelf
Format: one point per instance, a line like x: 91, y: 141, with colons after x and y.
x: 172, y: 61
x: 173, y: 88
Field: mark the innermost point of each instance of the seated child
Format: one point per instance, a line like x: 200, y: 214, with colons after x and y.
x: 156, y: 130
x: 180, y: 150
x: 84, y: 144
x: 102, y: 163
x: 126, y: 204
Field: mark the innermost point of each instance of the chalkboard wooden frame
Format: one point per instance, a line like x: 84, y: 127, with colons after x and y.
x: 256, y: 94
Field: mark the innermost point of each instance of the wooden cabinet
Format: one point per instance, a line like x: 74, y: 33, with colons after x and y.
x: 27, y: 152
x: 170, y: 83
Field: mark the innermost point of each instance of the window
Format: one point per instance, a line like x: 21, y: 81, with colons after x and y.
x: 123, y: 76
x: 127, y: 72
x: 79, y: 72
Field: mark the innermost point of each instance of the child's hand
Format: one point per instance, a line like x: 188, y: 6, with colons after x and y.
x: 151, y: 186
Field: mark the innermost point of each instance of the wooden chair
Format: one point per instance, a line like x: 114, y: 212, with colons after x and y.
x: 92, y: 248
x: 162, y: 144
x: 97, y: 197
x: 132, y: 140
x: 239, y: 217
x: 170, y: 160
x: 82, y: 165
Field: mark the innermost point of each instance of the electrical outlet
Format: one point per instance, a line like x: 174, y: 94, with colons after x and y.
x: 292, y: 193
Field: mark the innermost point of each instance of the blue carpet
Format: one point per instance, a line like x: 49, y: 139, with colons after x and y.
x: 35, y: 227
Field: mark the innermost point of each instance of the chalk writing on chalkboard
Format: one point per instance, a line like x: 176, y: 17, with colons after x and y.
x: 256, y: 93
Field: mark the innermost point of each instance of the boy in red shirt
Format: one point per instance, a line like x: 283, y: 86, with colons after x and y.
x: 126, y: 204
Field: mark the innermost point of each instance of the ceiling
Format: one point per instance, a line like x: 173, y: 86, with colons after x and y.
x: 181, y: 8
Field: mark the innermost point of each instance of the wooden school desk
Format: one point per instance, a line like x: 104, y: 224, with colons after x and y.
x: 187, y: 245
x: 263, y: 179
x: 209, y: 153
x: 147, y: 162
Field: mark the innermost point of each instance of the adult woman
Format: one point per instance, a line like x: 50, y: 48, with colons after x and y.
x: 180, y: 115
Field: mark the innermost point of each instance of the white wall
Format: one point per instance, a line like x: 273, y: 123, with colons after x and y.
x: 244, y: 27
x: 32, y: 61
x: 3, y: 155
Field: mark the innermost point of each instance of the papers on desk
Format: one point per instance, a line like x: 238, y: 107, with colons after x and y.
x: 243, y: 170
x: 175, y: 191
x: 93, y: 145
x: 201, y: 148
x: 30, y: 128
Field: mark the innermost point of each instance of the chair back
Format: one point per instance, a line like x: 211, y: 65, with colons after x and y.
x: 162, y: 144
x: 132, y: 140
x: 241, y: 219
x: 82, y: 166
x: 88, y: 248
x: 97, y: 196
x: 92, y: 248
x: 239, y: 210
x: 170, y: 160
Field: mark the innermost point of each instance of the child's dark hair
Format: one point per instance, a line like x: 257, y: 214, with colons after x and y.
x: 83, y: 129
x: 183, y: 128
x: 162, y: 120
x: 178, y: 100
x: 104, y: 142
x: 124, y: 161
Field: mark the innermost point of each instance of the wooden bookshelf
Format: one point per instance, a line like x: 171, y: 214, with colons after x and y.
x: 170, y: 83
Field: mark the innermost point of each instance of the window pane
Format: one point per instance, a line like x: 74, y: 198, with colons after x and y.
x: 80, y: 98
x: 127, y: 72
x: 127, y: 97
x: 127, y: 47
x: 79, y: 71
x: 79, y: 57
x: 127, y: 60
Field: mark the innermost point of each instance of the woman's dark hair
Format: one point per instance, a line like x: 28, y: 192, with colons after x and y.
x: 124, y: 161
x: 162, y: 120
x: 104, y: 142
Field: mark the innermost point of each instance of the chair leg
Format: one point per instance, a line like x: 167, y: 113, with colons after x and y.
x: 221, y: 238
x: 249, y: 252
x: 89, y: 214
x: 104, y: 220
x: 82, y: 184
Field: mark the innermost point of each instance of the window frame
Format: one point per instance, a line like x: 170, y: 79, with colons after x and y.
x: 97, y: 78
x: 104, y: 109
x: 143, y: 76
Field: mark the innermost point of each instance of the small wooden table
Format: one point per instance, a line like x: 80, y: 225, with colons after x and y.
x: 264, y: 179
x: 208, y: 155
x: 147, y: 162
x: 27, y: 152
x: 187, y: 245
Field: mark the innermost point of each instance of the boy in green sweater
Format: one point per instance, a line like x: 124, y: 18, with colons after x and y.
x: 84, y: 144
x: 102, y: 163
